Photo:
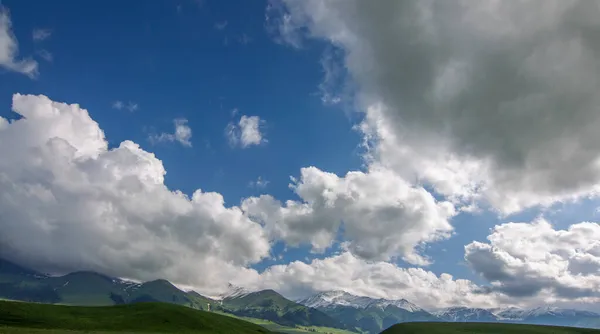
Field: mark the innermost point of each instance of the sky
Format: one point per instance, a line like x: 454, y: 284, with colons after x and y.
x: 445, y: 152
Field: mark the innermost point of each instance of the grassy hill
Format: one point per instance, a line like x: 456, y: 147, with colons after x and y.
x: 142, y: 317
x: 483, y: 328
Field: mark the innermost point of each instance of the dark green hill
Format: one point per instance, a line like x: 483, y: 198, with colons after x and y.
x: 142, y: 317
x: 483, y: 328
x: 270, y: 305
x: 375, y: 319
x: 163, y: 291
x: 86, y: 288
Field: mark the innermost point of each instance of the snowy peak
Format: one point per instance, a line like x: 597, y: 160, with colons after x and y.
x: 331, y: 299
x: 462, y: 314
x: 233, y: 291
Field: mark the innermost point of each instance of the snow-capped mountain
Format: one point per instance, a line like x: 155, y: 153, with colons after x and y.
x: 341, y: 298
x: 464, y: 314
x: 541, y: 315
x: 233, y: 292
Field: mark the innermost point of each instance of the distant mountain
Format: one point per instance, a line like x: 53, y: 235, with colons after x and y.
x: 466, y: 314
x: 537, y: 316
x: 270, y: 305
x: 342, y: 298
x: 88, y: 288
x: 366, y: 314
x: 337, y: 309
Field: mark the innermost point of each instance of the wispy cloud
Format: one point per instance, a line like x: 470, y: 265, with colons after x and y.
x: 182, y: 134
x: 39, y: 35
x: 9, y: 49
x: 45, y: 54
x: 221, y: 25
x: 259, y: 183
x: 244, y: 39
x: 120, y: 105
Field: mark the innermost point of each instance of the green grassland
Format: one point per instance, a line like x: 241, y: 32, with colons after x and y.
x: 481, y: 328
x: 19, y: 317
x: 277, y: 328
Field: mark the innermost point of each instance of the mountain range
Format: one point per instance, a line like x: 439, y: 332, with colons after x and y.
x: 334, y: 309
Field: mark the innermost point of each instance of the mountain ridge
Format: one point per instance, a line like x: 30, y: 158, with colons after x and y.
x: 337, y: 308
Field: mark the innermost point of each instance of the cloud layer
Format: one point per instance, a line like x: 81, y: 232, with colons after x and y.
x: 93, y: 208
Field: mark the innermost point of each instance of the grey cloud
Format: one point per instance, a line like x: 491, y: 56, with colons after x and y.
x: 510, y: 87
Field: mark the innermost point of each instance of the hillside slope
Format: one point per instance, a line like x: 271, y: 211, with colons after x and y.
x: 270, y: 305
x: 144, y: 317
x: 482, y: 328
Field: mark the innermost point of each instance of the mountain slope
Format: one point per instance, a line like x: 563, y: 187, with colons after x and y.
x: 538, y: 316
x: 270, y: 305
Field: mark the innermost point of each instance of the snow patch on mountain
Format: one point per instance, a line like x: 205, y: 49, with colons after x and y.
x: 461, y: 314
x: 233, y: 291
x: 330, y: 299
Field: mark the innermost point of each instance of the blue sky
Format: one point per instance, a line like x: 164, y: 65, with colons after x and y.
x: 138, y: 67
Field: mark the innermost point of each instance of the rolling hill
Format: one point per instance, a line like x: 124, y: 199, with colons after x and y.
x: 482, y: 328
x: 145, y: 317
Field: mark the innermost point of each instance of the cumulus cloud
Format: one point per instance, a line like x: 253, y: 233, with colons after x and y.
x: 93, y: 208
x: 483, y: 100
x: 247, y: 132
x: 9, y: 49
x: 383, y: 216
x: 39, y: 34
x: 182, y: 134
x: 536, y: 260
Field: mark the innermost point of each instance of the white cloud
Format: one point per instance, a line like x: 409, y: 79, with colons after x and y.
x: 45, y: 54
x: 260, y: 183
x: 383, y: 216
x: 39, y: 35
x: 120, y: 105
x: 247, y: 132
x: 535, y: 260
x: 9, y: 49
x: 182, y: 134
x: 474, y: 98
x: 375, y: 279
x: 92, y: 208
